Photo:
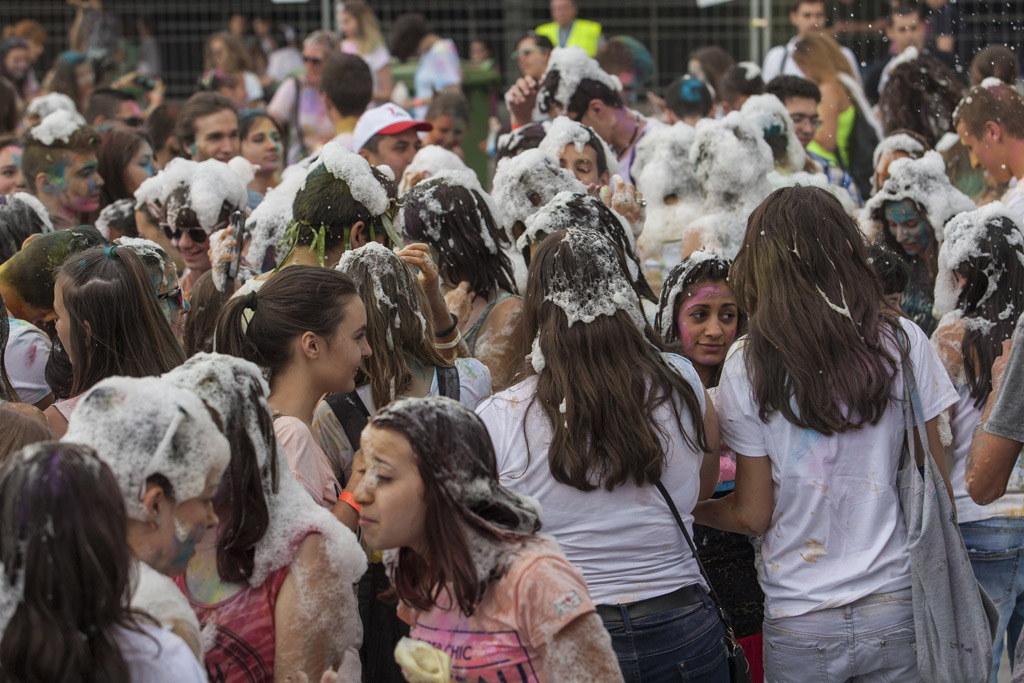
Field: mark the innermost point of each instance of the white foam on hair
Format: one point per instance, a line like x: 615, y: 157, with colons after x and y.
x: 37, y: 207
x: 672, y: 295
x: 513, y: 138
x: 768, y: 111
x: 243, y: 168
x: 379, y: 262
x: 964, y: 234
x: 430, y: 161
x: 58, y: 125
x: 146, y: 426
x: 268, y: 222
x: 750, y: 70
x: 564, y: 132
x: 151, y: 190
x: 116, y: 211
x: 11, y: 595
x: 667, y: 148
x: 573, y: 65
x: 210, y: 184
x: 535, y: 173
x: 991, y: 82
x: 355, y: 171
x: 432, y: 211
x: 44, y: 105
x: 605, y: 292
x: 900, y: 142
x: 144, y: 248
x: 923, y: 181
x: 909, y: 54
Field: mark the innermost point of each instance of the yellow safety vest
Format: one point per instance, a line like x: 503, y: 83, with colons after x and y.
x: 583, y: 33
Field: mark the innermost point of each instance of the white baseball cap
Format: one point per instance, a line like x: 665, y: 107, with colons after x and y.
x: 387, y: 119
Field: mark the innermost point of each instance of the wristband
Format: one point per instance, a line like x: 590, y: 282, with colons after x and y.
x: 445, y: 333
x: 449, y: 345
x: 347, y: 497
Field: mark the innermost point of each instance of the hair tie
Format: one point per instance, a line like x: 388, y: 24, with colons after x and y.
x: 111, y: 251
x: 250, y: 300
x: 248, y: 311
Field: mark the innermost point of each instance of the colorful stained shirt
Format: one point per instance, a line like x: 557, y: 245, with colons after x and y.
x: 243, y: 643
x: 438, y: 68
x: 520, y: 613
x: 838, y: 177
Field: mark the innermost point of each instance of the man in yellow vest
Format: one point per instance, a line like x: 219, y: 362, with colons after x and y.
x: 567, y: 30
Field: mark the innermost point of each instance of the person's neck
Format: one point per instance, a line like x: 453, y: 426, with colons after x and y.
x: 59, y: 213
x: 293, y: 393
x: 626, y: 131
x: 263, y: 181
x: 566, y: 27
x: 1015, y: 158
x: 705, y: 372
x: 343, y: 124
x: 302, y: 255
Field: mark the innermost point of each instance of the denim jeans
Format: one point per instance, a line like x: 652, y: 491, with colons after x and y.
x: 869, y: 640
x: 995, y: 547
x: 682, y: 644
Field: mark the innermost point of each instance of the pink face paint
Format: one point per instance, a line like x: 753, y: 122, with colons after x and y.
x: 707, y: 324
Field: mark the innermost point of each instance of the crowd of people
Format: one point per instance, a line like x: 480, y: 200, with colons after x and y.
x: 289, y: 392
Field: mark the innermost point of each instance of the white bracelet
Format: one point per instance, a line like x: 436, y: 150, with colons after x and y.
x: 449, y: 345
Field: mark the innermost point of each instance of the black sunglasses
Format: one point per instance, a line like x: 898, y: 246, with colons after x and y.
x: 197, y: 235
x: 315, y: 61
x: 176, y: 297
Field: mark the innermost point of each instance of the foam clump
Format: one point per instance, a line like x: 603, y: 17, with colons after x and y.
x: 923, y: 181
x: 991, y: 82
x: 768, y: 112
x: 674, y: 289
x: 429, y: 161
x: 115, y: 212
x: 573, y: 65
x: 210, y: 184
x: 268, y: 222
x: 32, y: 202
x: 146, y: 249
x: 965, y: 234
x: 432, y: 211
x: 146, y: 426
x: 243, y: 168
x: 355, y: 171
x: 58, y: 125
x: 44, y: 105
x: 150, y: 191
x: 900, y: 142
x: 564, y: 132
x: 524, y: 183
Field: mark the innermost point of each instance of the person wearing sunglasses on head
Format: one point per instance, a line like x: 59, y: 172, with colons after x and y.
x: 298, y: 103
x: 197, y: 199
x: 164, y: 276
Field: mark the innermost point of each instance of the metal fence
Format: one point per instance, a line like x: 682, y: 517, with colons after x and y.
x: 671, y: 29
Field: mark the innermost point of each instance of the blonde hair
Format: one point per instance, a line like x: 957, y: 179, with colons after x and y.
x: 824, y: 52
x: 370, y: 36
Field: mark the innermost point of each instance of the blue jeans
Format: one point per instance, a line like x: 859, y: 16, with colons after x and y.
x: 682, y: 644
x: 869, y: 640
x: 995, y: 547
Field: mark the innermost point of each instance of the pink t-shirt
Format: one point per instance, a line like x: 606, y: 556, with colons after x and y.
x: 307, y: 461
x: 521, y: 612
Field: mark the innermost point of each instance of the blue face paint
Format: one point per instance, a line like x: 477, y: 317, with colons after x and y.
x: 907, y: 227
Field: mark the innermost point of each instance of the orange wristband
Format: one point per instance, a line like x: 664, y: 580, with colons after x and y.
x: 351, y: 500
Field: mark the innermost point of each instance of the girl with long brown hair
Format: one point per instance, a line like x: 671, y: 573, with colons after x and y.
x: 601, y: 419
x: 811, y: 401
x: 110, y: 322
x: 363, y: 37
x: 473, y: 577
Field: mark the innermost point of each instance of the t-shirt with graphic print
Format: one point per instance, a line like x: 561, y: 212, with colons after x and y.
x: 520, y: 614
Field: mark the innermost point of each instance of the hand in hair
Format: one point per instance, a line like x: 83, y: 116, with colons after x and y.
x: 521, y: 99
x: 418, y: 256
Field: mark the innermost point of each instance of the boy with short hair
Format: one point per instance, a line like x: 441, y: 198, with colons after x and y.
x: 807, y: 17
x: 387, y: 135
x: 346, y: 86
x: 208, y: 128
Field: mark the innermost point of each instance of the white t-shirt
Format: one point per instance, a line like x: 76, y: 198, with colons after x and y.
x: 1013, y: 198
x: 625, y: 541
x: 779, y: 61
x: 159, y: 597
x: 28, y: 349
x: 158, y: 656
x: 837, y: 533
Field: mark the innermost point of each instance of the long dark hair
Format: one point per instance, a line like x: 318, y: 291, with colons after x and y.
x: 116, y: 151
x: 457, y: 221
x: 608, y: 434
x: 63, y: 539
x: 7, y: 392
x: 456, y: 461
x: 992, y: 298
x: 395, y: 320
x: 260, y: 326
x: 816, y: 334
x: 109, y: 288
x: 235, y: 390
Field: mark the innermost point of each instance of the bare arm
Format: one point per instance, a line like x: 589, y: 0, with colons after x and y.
x: 582, y: 651
x: 833, y: 102
x: 58, y: 425
x: 709, y: 467
x: 495, y: 345
x: 298, y: 648
x: 938, y: 453
x: 748, y: 510
x: 387, y: 84
x: 991, y: 459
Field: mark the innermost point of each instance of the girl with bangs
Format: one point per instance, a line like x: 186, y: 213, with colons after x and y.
x: 811, y: 401
x: 110, y: 321
x: 475, y: 580
x: 452, y: 214
x: 594, y: 446
x: 980, y: 288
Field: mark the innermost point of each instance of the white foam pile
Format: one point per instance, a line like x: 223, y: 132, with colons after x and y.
x: 433, y: 214
x: 210, y: 184
x: 428, y: 162
x: 37, y: 207
x: 116, y: 212
x: 768, y: 112
x: 268, y: 222
x: 524, y: 183
x: 901, y: 142
x: 57, y: 125
x: 573, y: 66
x: 564, y: 131
x: 146, y: 426
x: 147, y: 250
x: 355, y: 171
x: 44, y: 105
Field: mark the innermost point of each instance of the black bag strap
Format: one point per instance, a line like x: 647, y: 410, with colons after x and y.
x: 299, y: 137
x: 693, y: 549
x: 448, y: 382
x: 351, y: 413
